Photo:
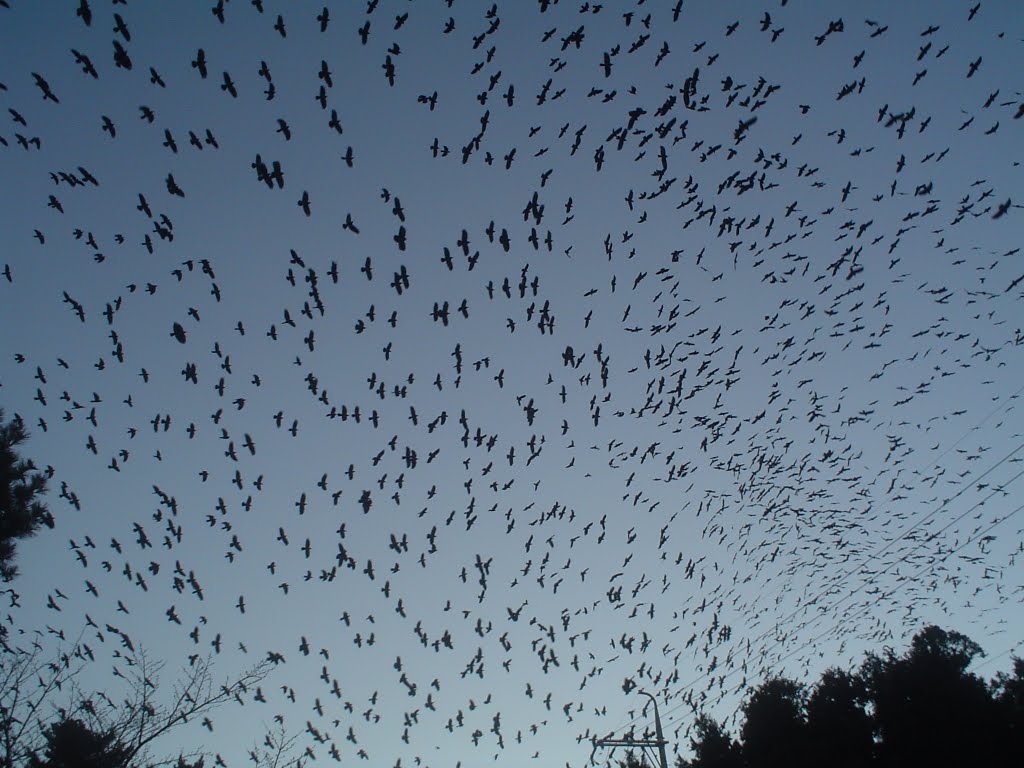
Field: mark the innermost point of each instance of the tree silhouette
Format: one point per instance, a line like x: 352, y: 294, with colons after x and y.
x: 713, y: 747
x: 70, y: 743
x: 276, y: 750
x: 775, y: 729
x: 923, y: 708
x: 94, y: 730
x: 839, y: 729
x: 30, y: 688
x: 147, y: 715
x: 1009, y: 695
x: 927, y: 707
x: 21, y: 511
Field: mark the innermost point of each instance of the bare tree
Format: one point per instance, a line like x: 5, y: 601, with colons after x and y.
x: 144, y: 716
x: 29, y: 685
x: 276, y: 750
x: 37, y: 692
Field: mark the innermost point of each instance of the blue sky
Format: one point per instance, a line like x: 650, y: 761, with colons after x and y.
x: 781, y: 346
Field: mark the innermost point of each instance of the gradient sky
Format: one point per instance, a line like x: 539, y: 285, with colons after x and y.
x: 771, y: 418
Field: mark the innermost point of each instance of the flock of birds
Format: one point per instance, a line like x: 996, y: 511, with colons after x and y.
x: 481, y: 366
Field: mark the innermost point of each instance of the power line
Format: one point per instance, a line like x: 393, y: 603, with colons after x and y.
x: 899, y: 538
x: 883, y: 549
x: 867, y: 582
x: 903, y: 535
x: 989, y: 660
x: 978, y: 535
x: 934, y: 463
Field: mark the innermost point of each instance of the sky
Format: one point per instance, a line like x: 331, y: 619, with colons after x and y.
x: 576, y: 350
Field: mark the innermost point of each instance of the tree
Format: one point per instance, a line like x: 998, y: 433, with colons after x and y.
x: 840, y: 731
x: 70, y: 743
x: 276, y: 750
x: 142, y: 718
x: 1009, y: 696
x: 632, y: 761
x: 713, y: 747
x: 29, y: 683
x: 927, y: 706
x: 21, y: 511
x: 923, y: 708
x: 33, y: 688
x: 774, y: 733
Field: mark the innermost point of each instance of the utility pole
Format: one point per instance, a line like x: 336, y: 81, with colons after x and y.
x: 658, y: 741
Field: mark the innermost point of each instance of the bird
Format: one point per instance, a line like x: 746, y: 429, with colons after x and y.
x: 199, y: 63
x: 652, y: 405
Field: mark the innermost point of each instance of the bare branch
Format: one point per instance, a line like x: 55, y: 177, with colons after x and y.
x: 276, y: 749
x: 142, y: 720
x: 27, y: 683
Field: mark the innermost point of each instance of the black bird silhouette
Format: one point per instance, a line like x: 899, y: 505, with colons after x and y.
x: 228, y: 86
x: 86, y: 63
x: 121, y: 58
x: 44, y: 87
x: 199, y: 63
x: 84, y: 12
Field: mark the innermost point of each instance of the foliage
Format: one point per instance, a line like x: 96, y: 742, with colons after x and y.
x: 838, y: 719
x: 713, y: 746
x: 922, y: 708
x: 632, y: 761
x: 774, y: 723
x: 21, y: 511
x: 70, y: 743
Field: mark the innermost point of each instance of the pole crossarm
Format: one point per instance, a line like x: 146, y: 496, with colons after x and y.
x: 629, y: 742
x: 658, y: 742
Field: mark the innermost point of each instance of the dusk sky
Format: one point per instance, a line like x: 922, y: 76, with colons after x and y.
x: 492, y: 363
